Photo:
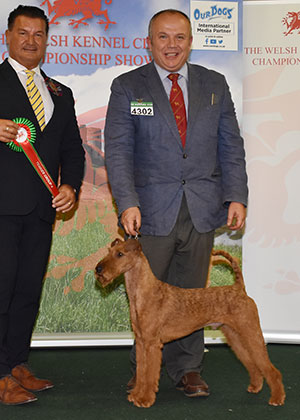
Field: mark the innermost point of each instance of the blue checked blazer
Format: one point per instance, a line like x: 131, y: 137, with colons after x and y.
x: 147, y: 165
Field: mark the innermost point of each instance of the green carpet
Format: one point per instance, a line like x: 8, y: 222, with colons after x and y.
x: 90, y: 384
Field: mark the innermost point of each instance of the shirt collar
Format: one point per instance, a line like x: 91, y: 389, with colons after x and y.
x: 163, y: 73
x: 20, y: 68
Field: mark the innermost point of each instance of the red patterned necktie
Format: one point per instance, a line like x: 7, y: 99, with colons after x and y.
x: 178, y: 106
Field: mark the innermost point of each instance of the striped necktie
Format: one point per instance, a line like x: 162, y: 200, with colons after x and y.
x: 35, y: 99
x: 178, y: 106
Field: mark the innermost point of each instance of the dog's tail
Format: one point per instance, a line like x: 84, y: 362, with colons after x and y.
x: 231, y: 261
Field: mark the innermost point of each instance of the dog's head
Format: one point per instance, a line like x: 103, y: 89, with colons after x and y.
x: 121, y: 257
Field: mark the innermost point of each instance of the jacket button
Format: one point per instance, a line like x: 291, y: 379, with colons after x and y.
x: 184, y: 156
x: 183, y: 182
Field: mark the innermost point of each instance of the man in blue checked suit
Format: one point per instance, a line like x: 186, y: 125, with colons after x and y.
x: 175, y: 192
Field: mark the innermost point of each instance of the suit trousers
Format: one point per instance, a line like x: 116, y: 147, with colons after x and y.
x: 180, y: 259
x: 24, y: 252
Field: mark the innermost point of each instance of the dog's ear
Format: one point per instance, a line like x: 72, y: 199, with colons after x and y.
x: 115, y: 242
x: 133, y: 245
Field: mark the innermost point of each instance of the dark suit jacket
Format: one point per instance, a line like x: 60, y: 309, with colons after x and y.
x: 59, y: 146
x: 147, y: 165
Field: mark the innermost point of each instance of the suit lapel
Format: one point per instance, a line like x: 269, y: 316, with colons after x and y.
x: 54, y: 99
x: 198, y: 98
x: 160, y: 98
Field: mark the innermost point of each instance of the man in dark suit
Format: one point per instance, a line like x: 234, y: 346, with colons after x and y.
x: 175, y: 187
x: 27, y: 209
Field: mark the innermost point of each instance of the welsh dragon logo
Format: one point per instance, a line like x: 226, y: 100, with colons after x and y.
x: 292, y: 22
x: 88, y: 8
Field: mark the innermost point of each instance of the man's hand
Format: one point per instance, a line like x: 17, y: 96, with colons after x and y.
x: 65, y: 200
x: 236, y: 216
x: 8, y: 130
x: 131, y: 220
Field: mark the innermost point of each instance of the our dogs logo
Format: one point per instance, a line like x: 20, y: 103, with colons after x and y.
x: 292, y: 22
x: 88, y: 8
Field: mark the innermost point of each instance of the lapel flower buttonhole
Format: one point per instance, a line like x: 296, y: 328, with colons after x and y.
x: 53, y: 86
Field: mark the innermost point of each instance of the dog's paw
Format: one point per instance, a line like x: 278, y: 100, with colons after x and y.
x: 255, y: 388
x: 277, y: 400
x: 141, y: 400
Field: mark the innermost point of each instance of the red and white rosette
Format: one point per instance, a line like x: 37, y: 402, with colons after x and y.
x: 24, y: 142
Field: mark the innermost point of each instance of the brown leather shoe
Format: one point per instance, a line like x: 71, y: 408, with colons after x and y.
x: 11, y: 393
x: 193, y: 385
x: 28, y: 381
x: 131, y: 384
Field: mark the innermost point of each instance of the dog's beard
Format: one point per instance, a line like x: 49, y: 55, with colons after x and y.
x: 104, y: 281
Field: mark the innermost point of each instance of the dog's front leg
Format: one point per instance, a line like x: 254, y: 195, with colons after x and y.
x: 148, y: 359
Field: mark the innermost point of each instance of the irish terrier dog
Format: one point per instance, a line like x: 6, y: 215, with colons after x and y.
x: 161, y: 313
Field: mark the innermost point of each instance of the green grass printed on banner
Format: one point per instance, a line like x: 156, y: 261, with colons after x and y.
x: 94, y: 308
x: 80, y: 243
x: 91, y: 310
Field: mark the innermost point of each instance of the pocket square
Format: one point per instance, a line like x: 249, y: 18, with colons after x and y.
x: 214, y: 99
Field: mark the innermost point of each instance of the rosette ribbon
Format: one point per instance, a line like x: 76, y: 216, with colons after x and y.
x: 24, y: 143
